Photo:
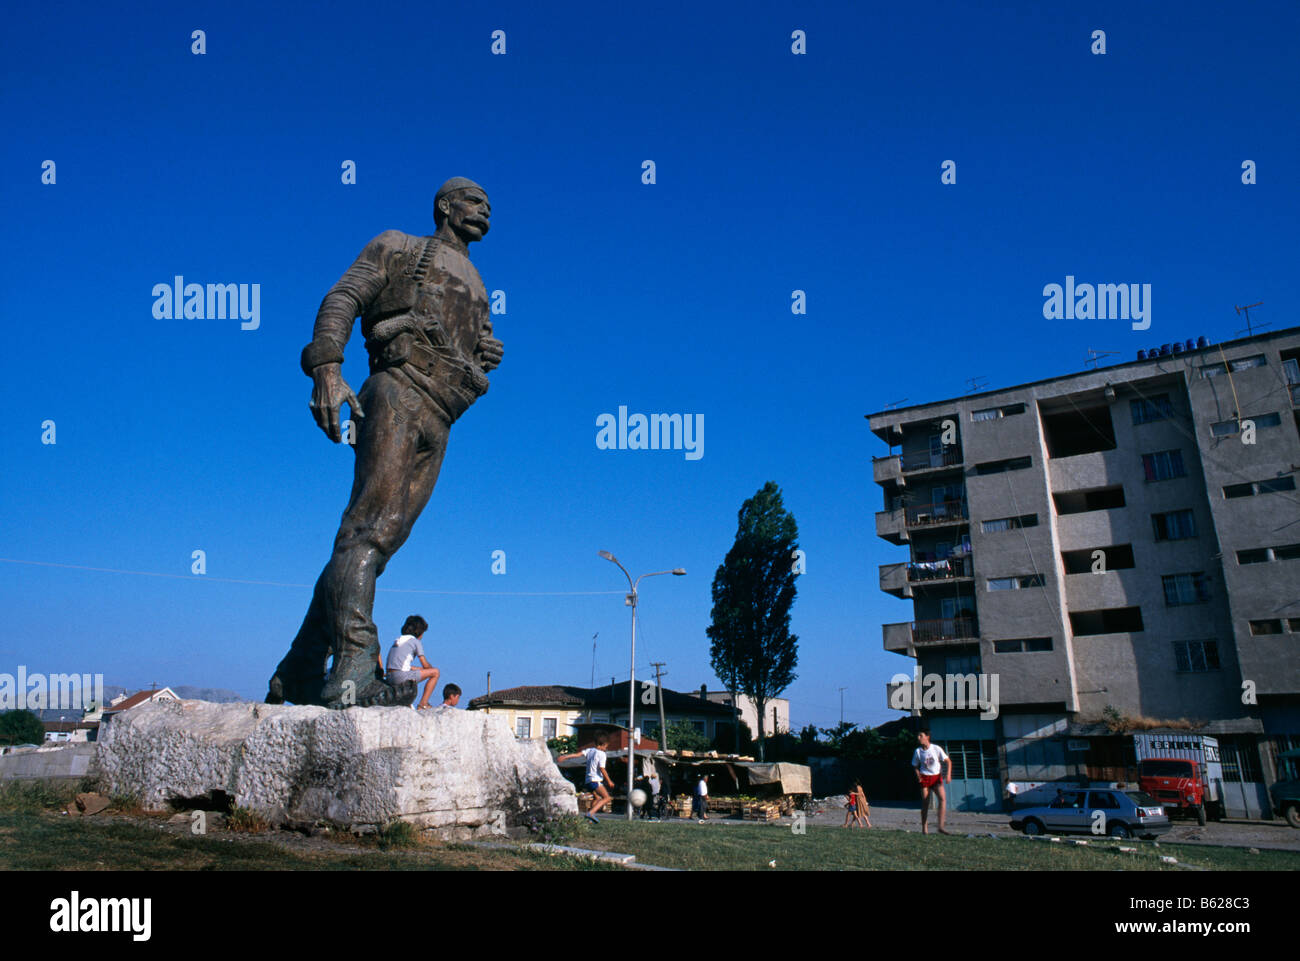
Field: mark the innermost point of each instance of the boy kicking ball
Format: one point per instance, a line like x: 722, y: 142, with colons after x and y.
x: 595, y: 774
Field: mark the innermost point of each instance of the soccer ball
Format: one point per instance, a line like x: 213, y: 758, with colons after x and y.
x: 637, y: 797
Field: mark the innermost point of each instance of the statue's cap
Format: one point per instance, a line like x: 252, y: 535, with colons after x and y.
x: 454, y: 184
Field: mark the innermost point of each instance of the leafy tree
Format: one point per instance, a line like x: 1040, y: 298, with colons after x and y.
x: 753, y: 651
x: 21, y: 727
x: 683, y: 737
x: 725, y: 742
x: 564, y: 744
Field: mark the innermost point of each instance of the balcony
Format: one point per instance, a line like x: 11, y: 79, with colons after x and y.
x: 890, y: 526
x: 936, y: 515
x: 893, y: 579
x: 905, y: 637
x: 953, y: 568
x: 948, y: 456
x: 886, y: 470
x: 945, y: 630
x: 898, y: 697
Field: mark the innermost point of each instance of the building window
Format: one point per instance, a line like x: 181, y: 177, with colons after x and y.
x: 1196, y: 657
x: 1185, y: 589
x: 1226, y: 428
x: 997, y: 413
x: 1113, y: 620
x: 1163, y: 465
x: 1261, y: 555
x: 550, y: 727
x: 1116, y: 557
x: 1002, y: 466
x: 1243, y: 363
x: 1081, y: 502
x: 966, y: 664
x: 698, y: 726
x: 1022, y: 644
x: 1010, y: 523
x: 1258, y: 628
x: 1015, y: 583
x: 1151, y: 409
x: 1272, y: 485
x: 1174, y: 525
x: 523, y: 727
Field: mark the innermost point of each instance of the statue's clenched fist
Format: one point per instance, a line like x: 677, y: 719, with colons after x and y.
x: 489, y: 353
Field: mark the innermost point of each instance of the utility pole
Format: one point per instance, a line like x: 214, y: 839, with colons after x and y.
x: 593, y: 672
x: 488, y: 706
x: 663, y: 724
x: 842, y: 690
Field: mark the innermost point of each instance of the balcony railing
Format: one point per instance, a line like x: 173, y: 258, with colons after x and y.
x: 945, y: 629
x: 939, y: 570
x: 949, y: 456
x: 928, y: 515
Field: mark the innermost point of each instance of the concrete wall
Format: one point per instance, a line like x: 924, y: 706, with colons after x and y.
x: 73, y: 761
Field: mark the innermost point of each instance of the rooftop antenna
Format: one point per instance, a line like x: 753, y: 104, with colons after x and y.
x: 975, y: 385
x: 894, y: 403
x: 1095, y: 355
x: 1250, y: 330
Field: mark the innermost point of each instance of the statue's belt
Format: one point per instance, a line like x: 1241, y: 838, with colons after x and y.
x: 403, y: 342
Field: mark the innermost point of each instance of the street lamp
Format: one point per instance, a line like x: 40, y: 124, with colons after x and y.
x: 631, y: 681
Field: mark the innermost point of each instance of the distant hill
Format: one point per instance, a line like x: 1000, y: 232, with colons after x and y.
x: 218, y: 694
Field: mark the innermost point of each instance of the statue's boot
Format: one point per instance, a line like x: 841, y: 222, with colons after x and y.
x: 352, y: 683
x: 298, y: 683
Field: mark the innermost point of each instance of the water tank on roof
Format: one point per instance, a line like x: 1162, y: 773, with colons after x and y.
x: 1142, y: 354
x: 1202, y: 342
x: 1178, y: 347
x: 1165, y: 350
x: 1191, y: 344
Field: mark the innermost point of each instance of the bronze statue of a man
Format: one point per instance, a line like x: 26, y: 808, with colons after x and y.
x: 424, y: 313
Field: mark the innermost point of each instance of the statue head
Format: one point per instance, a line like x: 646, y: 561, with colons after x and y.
x: 463, y: 207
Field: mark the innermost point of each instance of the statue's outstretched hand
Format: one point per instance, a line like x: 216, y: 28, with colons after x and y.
x: 328, y: 395
x: 490, y: 351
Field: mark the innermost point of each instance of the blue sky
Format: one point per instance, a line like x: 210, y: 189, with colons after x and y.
x: 775, y: 172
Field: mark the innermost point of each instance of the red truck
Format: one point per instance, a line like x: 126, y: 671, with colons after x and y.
x: 1182, y: 772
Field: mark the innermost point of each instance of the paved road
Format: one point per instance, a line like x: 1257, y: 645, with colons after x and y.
x: 907, y: 817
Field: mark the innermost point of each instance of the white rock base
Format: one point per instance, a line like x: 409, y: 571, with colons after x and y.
x: 460, y: 774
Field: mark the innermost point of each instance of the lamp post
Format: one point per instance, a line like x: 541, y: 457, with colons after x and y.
x: 631, y: 681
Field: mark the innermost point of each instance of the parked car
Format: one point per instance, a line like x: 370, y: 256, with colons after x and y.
x: 1126, y: 814
x: 1285, y: 792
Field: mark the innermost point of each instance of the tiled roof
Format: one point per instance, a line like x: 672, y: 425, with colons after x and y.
x: 139, y: 697
x: 530, y: 694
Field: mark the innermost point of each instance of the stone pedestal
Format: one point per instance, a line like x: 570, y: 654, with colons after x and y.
x: 461, y: 774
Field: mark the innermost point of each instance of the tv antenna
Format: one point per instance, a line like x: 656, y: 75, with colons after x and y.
x: 1250, y: 329
x: 975, y: 385
x: 894, y: 403
x: 1095, y: 355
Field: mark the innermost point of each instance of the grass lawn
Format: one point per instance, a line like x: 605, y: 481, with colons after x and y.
x: 749, y: 847
x: 42, y: 841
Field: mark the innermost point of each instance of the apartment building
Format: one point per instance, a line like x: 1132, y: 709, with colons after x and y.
x: 1122, y: 541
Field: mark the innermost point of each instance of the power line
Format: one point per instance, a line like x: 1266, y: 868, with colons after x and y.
x: 237, y: 580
